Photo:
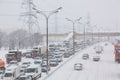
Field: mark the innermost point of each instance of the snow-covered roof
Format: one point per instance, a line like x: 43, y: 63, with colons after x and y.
x: 33, y: 66
x: 11, y: 67
x: 70, y: 35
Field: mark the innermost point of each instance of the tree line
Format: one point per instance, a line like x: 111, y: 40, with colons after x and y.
x: 19, y: 39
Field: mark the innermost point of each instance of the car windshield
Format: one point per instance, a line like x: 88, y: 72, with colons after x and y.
x: 13, y: 62
x: 44, y: 65
x: 10, y: 54
x: 85, y: 55
x: 37, y: 62
x: 53, y: 60
x: 58, y: 56
x: 8, y: 74
x: 26, y: 63
x: 78, y: 64
x: 30, y: 70
x: 23, y: 66
x: 22, y: 78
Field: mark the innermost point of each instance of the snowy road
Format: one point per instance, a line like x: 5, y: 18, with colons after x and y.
x: 105, y: 69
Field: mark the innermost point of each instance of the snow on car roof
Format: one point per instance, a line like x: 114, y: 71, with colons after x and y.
x: 33, y: 66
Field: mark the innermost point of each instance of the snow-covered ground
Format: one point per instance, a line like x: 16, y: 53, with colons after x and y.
x: 105, y: 69
x: 2, y: 55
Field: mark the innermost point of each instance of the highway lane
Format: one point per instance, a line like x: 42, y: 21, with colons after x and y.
x: 105, y: 69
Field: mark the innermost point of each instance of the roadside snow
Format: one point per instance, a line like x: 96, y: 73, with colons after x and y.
x: 105, y: 69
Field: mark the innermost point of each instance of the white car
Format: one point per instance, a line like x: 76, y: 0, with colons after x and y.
x: 34, y: 71
x: 1, y: 74
x: 13, y: 63
x: 54, y: 61
x: 78, y: 66
x: 24, y: 77
x: 44, y: 66
x: 38, y: 62
x: 24, y: 65
x: 59, y: 58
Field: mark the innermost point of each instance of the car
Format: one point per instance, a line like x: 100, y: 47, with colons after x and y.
x: 44, y: 66
x: 34, y: 71
x: 38, y: 62
x: 66, y: 55
x: 106, y: 44
x: 78, y: 66
x: 24, y: 77
x: 96, y: 58
x: 37, y: 58
x: 54, y: 61
x: 13, y: 63
x: 24, y: 65
x: 59, y: 58
x: 1, y: 74
x: 85, y: 56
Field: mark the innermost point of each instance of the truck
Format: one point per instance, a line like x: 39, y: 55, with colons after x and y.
x: 13, y: 55
x: 2, y: 65
x: 38, y: 51
x: 34, y: 71
x: 2, y: 68
x: 12, y: 73
x: 117, y: 52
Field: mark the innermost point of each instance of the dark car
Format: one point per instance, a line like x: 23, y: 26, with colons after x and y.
x: 85, y: 56
x: 96, y: 58
x: 78, y: 66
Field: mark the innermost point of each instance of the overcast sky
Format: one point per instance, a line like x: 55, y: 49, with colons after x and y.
x: 103, y: 13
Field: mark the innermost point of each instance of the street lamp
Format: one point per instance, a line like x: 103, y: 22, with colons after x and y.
x: 84, y: 36
x: 47, y: 16
x: 73, y: 23
x: 93, y: 33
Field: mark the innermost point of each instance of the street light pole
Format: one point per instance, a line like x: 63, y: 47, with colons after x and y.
x: 73, y: 24
x: 93, y: 33
x: 84, y: 36
x: 47, y: 42
x: 47, y: 22
x: 73, y: 38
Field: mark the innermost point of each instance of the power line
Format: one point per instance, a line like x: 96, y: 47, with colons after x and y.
x: 10, y: 2
x: 3, y: 15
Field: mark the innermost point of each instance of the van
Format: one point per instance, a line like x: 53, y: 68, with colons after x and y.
x: 34, y: 71
x: 12, y: 72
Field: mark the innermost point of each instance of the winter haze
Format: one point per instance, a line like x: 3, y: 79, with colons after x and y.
x: 103, y: 13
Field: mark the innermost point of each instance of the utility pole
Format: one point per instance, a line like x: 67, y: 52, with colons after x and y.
x: 56, y: 27
x: 73, y: 24
x: 47, y: 16
x: 30, y: 17
x: 89, y: 25
x: 56, y: 24
x: 84, y: 35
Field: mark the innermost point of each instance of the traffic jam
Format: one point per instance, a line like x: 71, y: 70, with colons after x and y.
x: 33, y: 63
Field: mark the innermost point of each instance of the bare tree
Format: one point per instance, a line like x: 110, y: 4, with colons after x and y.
x: 37, y: 38
x: 17, y: 38
x: 1, y: 39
